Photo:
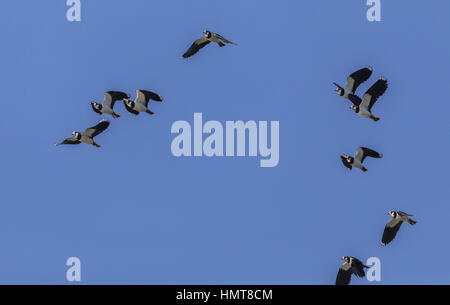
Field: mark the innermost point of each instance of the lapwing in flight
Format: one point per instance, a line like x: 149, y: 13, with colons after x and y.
x: 109, y: 100
x: 350, y: 266
x: 141, y: 102
x: 87, y: 136
x: 353, y: 81
x: 392, y: 227
x: 363, y: 107
x: 358, y: 159
x: 206, y: 39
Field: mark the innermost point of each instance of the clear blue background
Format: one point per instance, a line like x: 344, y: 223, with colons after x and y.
x: 133, y: 213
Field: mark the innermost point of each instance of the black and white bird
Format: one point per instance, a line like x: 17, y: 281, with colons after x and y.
x: 87, y: 136
x: 353, y: 81
x: 358, y: 159
x: 364, y: 106
x: 206, y: 39
x: 392, y: 227
x: 141, y: 102
x: 350, y: 266
x: 109, y: 100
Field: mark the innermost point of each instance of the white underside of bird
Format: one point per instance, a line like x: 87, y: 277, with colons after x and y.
x: 87, y: 140
x: 357, y: 163
x: 364, y: 113
x: 139, y: 107
x: 107, y: 110
x: 214, y: 39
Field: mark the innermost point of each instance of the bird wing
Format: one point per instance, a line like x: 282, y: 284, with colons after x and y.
x: 112, y: 96
x: 346, y: 163
x: 143, y: 97
x: 390, y: 230
x: 374, y: 92
x: 357, y: 267
x: 364, y: 152
x: 344, y: 274
x: 71, y: 140
x: 224, y: 39
x: 359, y: 154
x: 403, y: 213
x: 196, y: 46
x: 97, y: 129
x: 357, y: 78
x: 356, y: 100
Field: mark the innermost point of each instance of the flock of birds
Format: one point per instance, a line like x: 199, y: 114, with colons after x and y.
x: 140, y: 104
x: 361, y: 106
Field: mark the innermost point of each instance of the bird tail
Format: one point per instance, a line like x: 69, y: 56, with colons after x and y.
x: 364, y: 169
x: 375, y: 119
x: 115, y: 115
x: 221, y: 44
x: 96, y: 145
x: 411, y: 221
x: 149, y: 112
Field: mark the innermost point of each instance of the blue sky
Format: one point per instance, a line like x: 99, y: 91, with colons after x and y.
x: 134, y: 213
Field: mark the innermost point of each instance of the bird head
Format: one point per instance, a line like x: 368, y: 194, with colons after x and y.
x: 347, y: 158
x: 76, y: 134
x: 339, y: 89
x: 346, y: 258
x: 392, y: 213
x: 354, y: 108
x: 93, y: 103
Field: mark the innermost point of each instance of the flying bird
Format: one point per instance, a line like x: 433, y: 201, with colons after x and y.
x: 109, y: 100
x: 206, y: 39
x: 353, y: 81
x: 350, y: 266
x: 141, y: 102
x: 87, y: 136
x: 392, y: 227
x: 358, y: 160
x: 363, y: 107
